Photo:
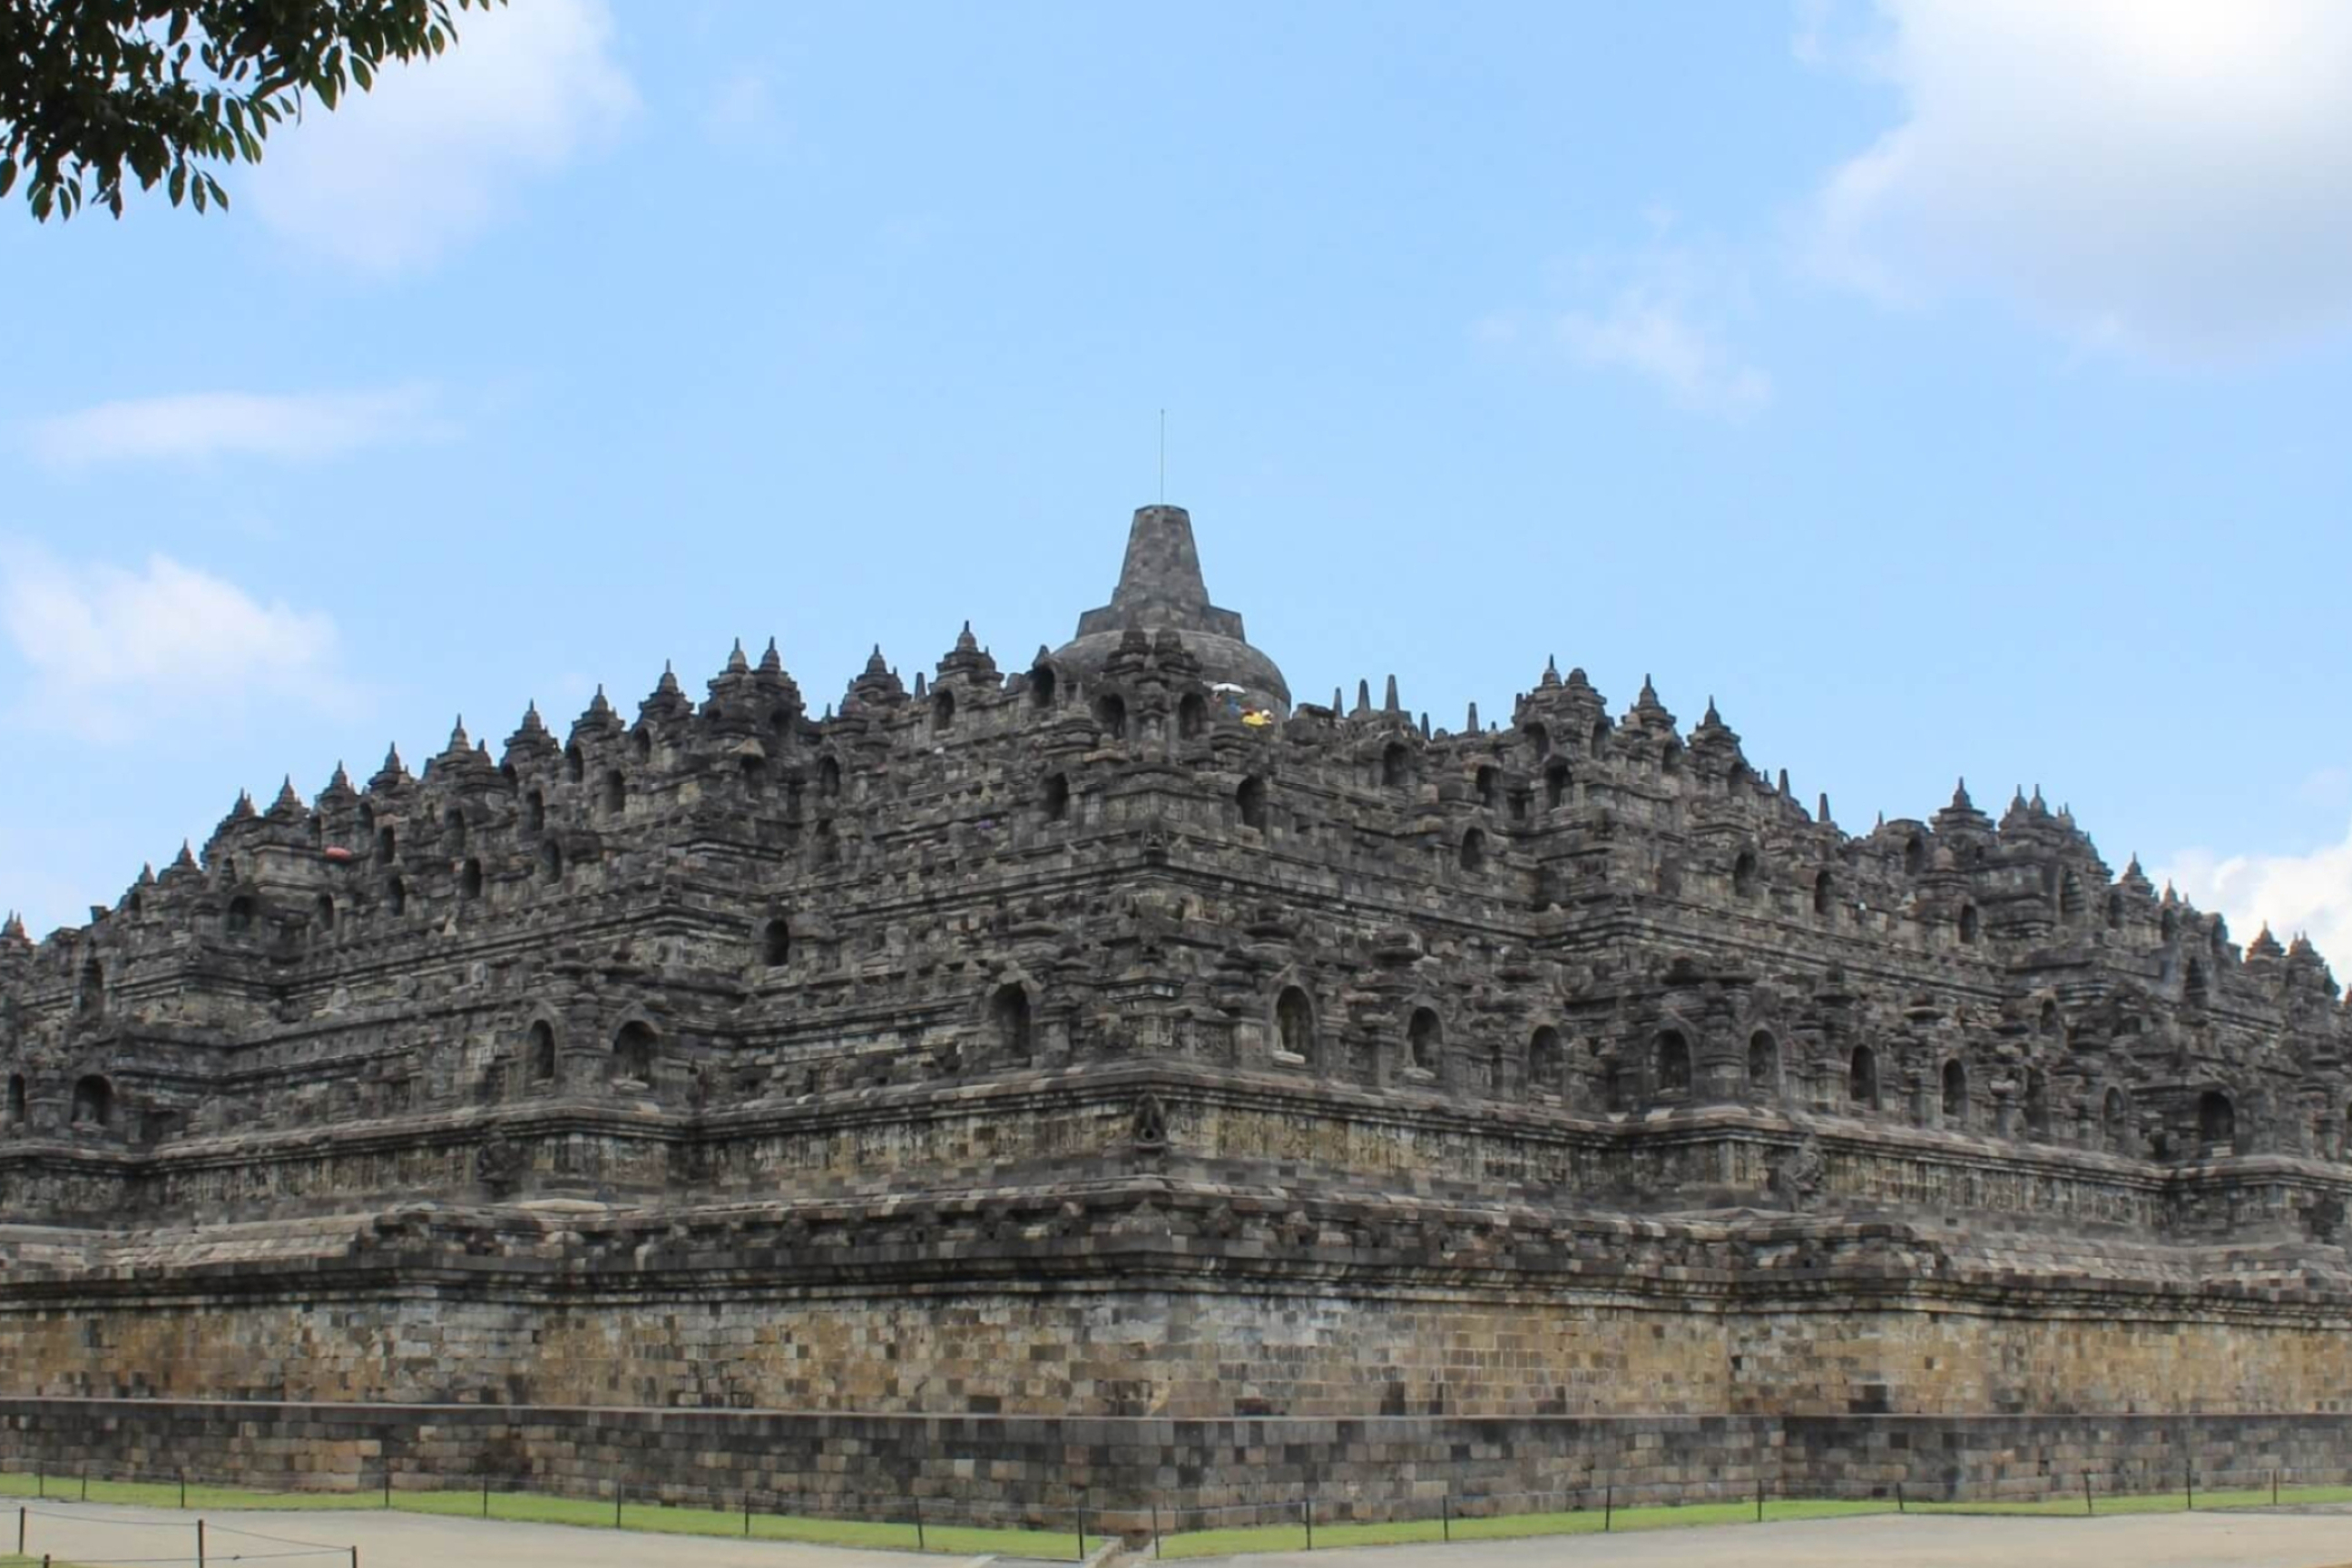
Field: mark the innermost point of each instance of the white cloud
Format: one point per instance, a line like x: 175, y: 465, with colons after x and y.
x: 1661, y: 314
x: 393, y: 178
x: 193, y: 425
x: 2311, y: 894
x: 2163, y: 176
x: 742, y: 113
x: 106, y: 644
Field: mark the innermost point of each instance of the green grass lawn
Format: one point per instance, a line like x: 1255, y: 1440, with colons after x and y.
x: 540, y: 1509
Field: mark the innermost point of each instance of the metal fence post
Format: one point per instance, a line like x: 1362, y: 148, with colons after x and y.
x: 20, y: 1531
x: 1307, y: 1504
x: 2086, y: 1493
x: 200, y: 1543
x: 85, y: 1480
x: 918, y: 1523
x: 1081, y: 1557
x: 1445, y: 1514
x: 1155, y: 1527
x: 1759, y: 1499
x: 617, y: 1490
x: 747, y: 1518
x: 486, y: 1495
x: 1608, y: 1506
x: 1898, y: 1499
x: 2188, y: 1474
x: 387, y: 1484
x: 2274, y: 1488
x: 184, y: 1488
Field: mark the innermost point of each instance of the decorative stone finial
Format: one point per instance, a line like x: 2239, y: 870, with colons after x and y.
x: 772, y: 662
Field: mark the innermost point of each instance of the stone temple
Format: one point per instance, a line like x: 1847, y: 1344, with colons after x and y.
x: 1117, y: 1076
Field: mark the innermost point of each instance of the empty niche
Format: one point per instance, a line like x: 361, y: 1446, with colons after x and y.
x: 633, y: 1052
x: 1008, y: 1017
x: 538, y: 1052
x: 1670, y: 1063
x: 1110, y: 715
x: 1250, y: 798
x: 94, y: 1101
x: 2217, y: 1122
x: 1862, y: 1077
x: 1191, y: 716
x: 89, y: 991
x: 1293, y: 1025
x: 1424, y: 1040
x: 1547, y: 1061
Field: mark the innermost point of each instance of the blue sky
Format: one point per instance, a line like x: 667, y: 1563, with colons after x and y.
x: 1946, y: 387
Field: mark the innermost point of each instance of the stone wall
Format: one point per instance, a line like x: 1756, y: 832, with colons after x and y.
x: 1042, y: 1470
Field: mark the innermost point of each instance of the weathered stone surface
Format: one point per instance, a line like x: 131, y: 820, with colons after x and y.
x: 1115, y: 1076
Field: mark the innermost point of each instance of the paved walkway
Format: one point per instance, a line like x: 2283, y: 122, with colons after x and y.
x: 90, y: 1534
x: 2312, y: 1540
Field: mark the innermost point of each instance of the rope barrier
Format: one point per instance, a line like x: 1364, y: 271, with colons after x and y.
x: 219, y: 1529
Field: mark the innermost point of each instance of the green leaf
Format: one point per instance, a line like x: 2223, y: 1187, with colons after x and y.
x: 7, y: 175
x: 179, y: 183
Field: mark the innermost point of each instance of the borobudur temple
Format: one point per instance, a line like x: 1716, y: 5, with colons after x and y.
x: 1114, y: 1074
